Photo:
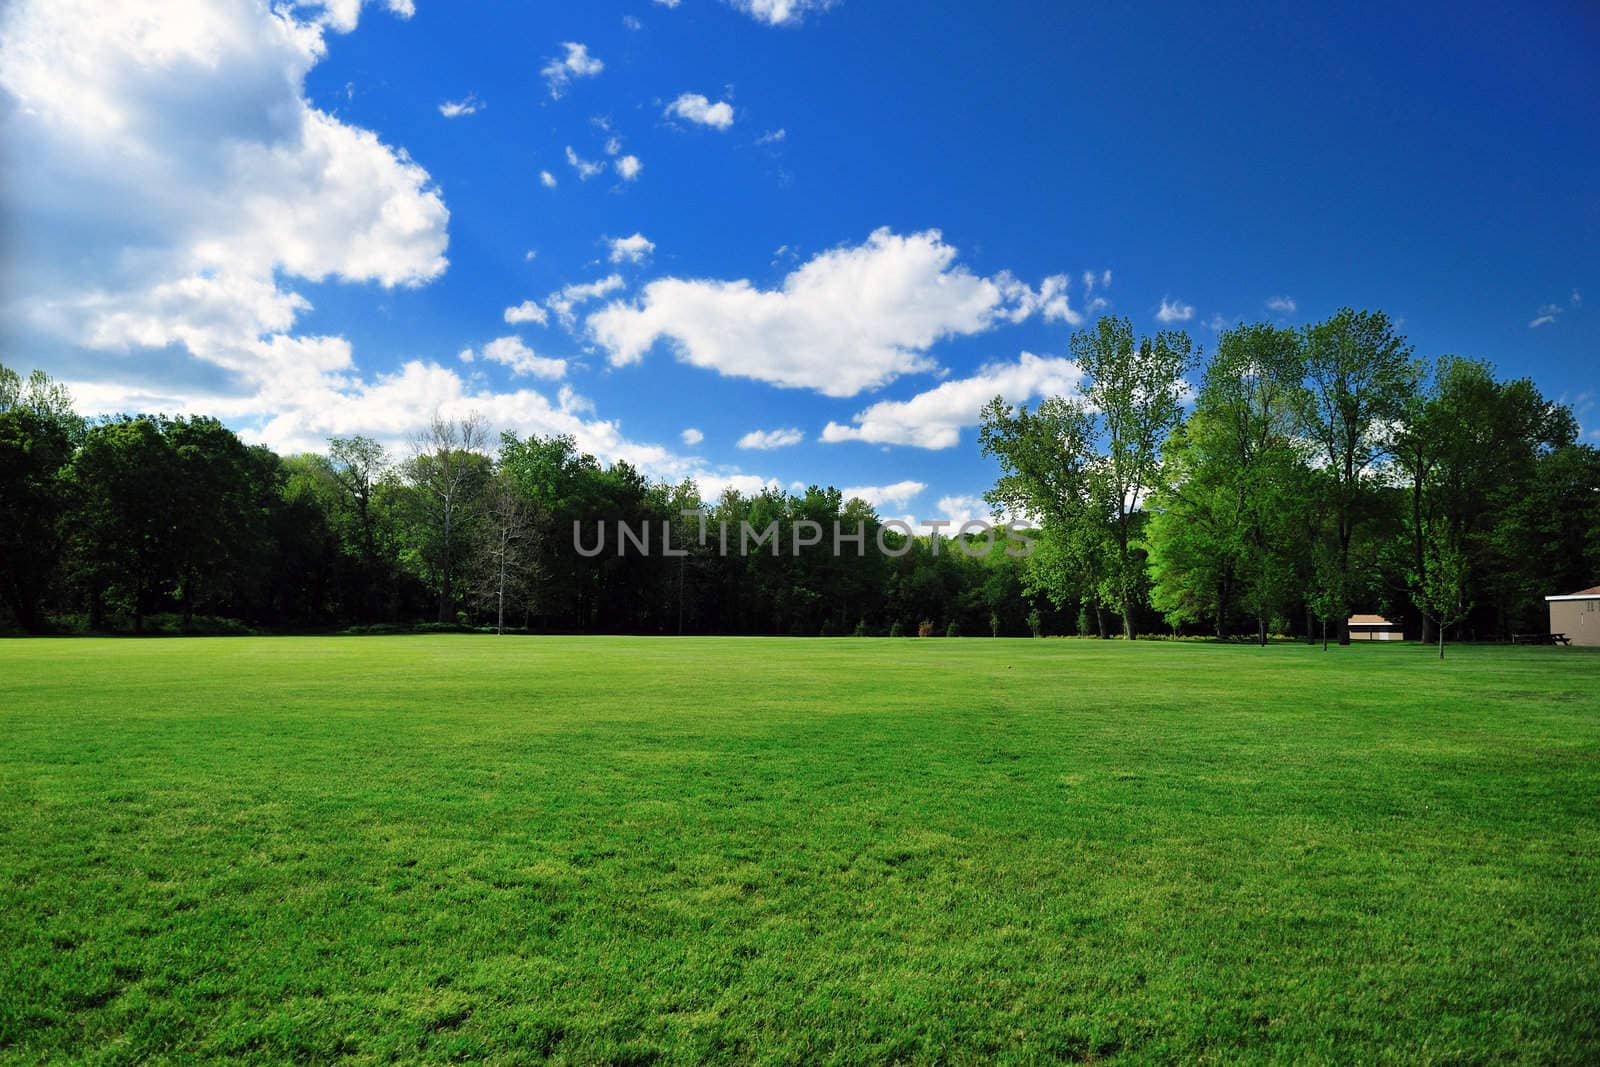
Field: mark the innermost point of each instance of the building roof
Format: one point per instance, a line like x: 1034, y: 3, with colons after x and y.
x: 1592, y: 593
x: 1368, y: 620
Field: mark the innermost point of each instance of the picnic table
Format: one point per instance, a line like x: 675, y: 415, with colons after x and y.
x: 1540, y: 639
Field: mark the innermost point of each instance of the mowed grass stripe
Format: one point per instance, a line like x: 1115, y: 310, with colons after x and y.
x: 737, y: 850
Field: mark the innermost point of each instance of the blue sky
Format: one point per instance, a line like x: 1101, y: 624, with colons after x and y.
x: 270, y: 216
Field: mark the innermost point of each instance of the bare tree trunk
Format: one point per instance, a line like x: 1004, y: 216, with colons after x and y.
x: 1127, y: 618
x: 1100, y: 620
x: 500, y: 595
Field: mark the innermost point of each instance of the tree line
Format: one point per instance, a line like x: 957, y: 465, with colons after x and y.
x: 1313, y: 472
x: 146, y: 522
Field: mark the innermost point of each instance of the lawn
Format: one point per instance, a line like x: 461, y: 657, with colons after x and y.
x: 758, y: 850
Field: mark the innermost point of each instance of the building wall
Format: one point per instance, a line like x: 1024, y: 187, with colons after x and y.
x: 1578, y: 619
x: 1376, y: 635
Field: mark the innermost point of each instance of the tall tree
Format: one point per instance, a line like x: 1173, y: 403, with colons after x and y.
x: 447, y: 472
x: 506, y: 546
x: 220, y: 525
x: 1135, y: 388
x: 1047, y: 473
x: 1359, y: 377
x: 123, y: 482
x: 33, y: 451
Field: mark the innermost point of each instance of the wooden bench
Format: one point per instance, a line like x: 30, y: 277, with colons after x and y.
x: 1540, y: 639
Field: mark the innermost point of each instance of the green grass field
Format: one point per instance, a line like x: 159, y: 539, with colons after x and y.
x: 622, y: 850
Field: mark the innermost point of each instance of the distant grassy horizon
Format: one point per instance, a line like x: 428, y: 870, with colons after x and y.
x: 624, y: 849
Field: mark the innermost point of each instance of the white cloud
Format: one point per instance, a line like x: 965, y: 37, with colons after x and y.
x: 522, y: 361
x: 1216, y: 324
x: 468, y: 105
x: 897, y: 495
x: 565, y: 300
x: 576, y: 63
x: 769, y: 439
x: 773, y: 136
x: 586, y: 168
x: 692, y: 436
x: 175, y: 184
x: 547, y: 179
x: 780, y: 12
x: 934, y: 419
x: 628, y: 168
x: 692, y: 107
x: 635, y: 249
x: 1549, y: 313
x: 1049, y: 300
x: 1174, y: 311
x: 632, y: 23
x: 1282, y: 304
x: 668, y: 3
x: 849, y: 319
x: 527, y: 311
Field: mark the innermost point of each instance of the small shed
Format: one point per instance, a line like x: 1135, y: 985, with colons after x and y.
x: 1374, y: 628
x: 1577, y: 615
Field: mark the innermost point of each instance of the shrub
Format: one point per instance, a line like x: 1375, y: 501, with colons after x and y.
x: 1035, y: 622
x: 441, y: 628
x: 994, y: 624
x: 827, y: 628
x: 861, y: 629
x: 925, y: 628
x: 1084, y: 624
x: 953, y: 630
x: 897, y: 630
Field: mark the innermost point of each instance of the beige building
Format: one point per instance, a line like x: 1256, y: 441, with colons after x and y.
x: 1374, y: 628
x: 1577, y: 615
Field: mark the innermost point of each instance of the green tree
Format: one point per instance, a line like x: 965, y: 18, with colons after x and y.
x: 1359, y: 379
x: 122, y: 534
x: 33, y: 452
x: 38, y: 432
x: 1047, y: 459
x: 1222, y: 528
x: 1441, y: 587
x: 447, y: 473
x: 1136, y: 388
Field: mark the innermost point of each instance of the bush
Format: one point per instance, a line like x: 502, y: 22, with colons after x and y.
x: 1085, y: 625
x: 376, y: 628
x: 953, y: 630
x: 1035, y: 622
x: 200, y: 625
x: 827, y: 628
x: 861, y: 629
x: 925, y: 628
x: 897, y: 630
x: 441, y: 628
x: 994, y: 624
